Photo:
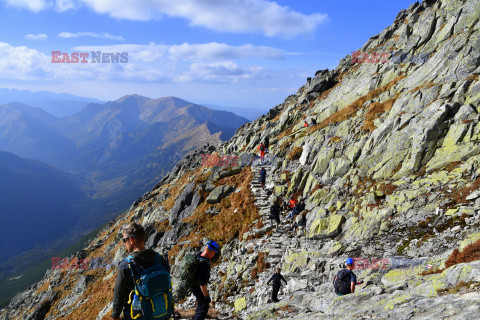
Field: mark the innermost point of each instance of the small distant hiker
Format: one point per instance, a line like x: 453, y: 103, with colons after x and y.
x: 263, y: 177
x: 130, y: 292
x: 267, y: 144
x: 201, y: 279
x: 305, y: 124
x: 313, y: 121
x: 345, y: 281
x: 261, y: 147
x: 275, y: 211
x: 276, y: 280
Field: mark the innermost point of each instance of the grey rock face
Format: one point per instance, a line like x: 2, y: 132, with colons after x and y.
x: 219, y: 193
x: 184, y: 205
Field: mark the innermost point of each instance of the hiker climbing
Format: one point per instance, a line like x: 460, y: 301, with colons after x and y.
x: 263, y: 177
x: 305, y: 124
x: 267, y: 144
x: 201, y: 278
x: 345, y: 281
x: 275, y: 211
x: 143, y: 287
x: 261, y: 147
x: 276, y: 280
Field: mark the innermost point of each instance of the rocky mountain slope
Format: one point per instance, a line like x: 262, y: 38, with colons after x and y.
x: 389, y: 175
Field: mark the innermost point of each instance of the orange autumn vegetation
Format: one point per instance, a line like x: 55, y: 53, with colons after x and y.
x: 376, y: 109
x: 470, y: 253
x: 260, y: 266
x: 99, y: 294
x: 237, y: 213
x: 295, y: 153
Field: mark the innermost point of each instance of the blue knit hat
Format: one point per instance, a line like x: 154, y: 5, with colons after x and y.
x: 212, y: 245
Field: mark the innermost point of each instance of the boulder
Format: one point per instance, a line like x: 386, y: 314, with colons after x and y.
x: 295, y: 285
x: 328, y: 227
x: 219, y: 193
x: 185, y: 204
x: 240, y: 304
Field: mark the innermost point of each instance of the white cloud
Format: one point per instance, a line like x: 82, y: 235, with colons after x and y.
x: 190, y: 52
x: 32, y: 5
x: 104, y: 35
x: 213, y: 50
x: 22, y: 63
x: 40, y: 36
x: 226, y: 71
x: 64, y: 5
x: 237, y: 16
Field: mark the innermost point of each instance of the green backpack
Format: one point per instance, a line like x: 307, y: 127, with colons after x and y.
x: 186, y: 273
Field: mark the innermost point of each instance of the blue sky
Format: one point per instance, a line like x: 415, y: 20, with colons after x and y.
x: 241, y: 53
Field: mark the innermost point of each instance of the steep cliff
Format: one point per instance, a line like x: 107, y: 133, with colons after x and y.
x: 389, y: 174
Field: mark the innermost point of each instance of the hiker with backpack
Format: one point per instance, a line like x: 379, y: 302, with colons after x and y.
x: 345, y: 281
x: 263, y: 177
x: 275, y: 211
x: 201, y: 276
x: 276, y: 280
x: 143, y: 286
x: 267, y: 144
x: 261, y: 147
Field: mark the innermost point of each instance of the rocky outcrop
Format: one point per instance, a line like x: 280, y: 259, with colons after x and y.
x: 219, y: 193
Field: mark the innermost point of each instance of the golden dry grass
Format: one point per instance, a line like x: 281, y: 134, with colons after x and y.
x: 237, y: 213
x: 375, y: 110
x: 295, y: 153
x: 99, y: 294
x: 260, y: 265
x: 334, y: 140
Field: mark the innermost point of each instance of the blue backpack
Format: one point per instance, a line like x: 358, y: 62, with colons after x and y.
x: 153, y: 287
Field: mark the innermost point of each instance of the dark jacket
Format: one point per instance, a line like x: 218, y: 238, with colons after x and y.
x: 202, y: 271
x: 275, y: 210
x: 263, y: 175
x: 277, y: 280
x: 124, y: 282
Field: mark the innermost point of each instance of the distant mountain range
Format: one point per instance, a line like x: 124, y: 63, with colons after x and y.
x: 58, y: 104
x: 120, y: 149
